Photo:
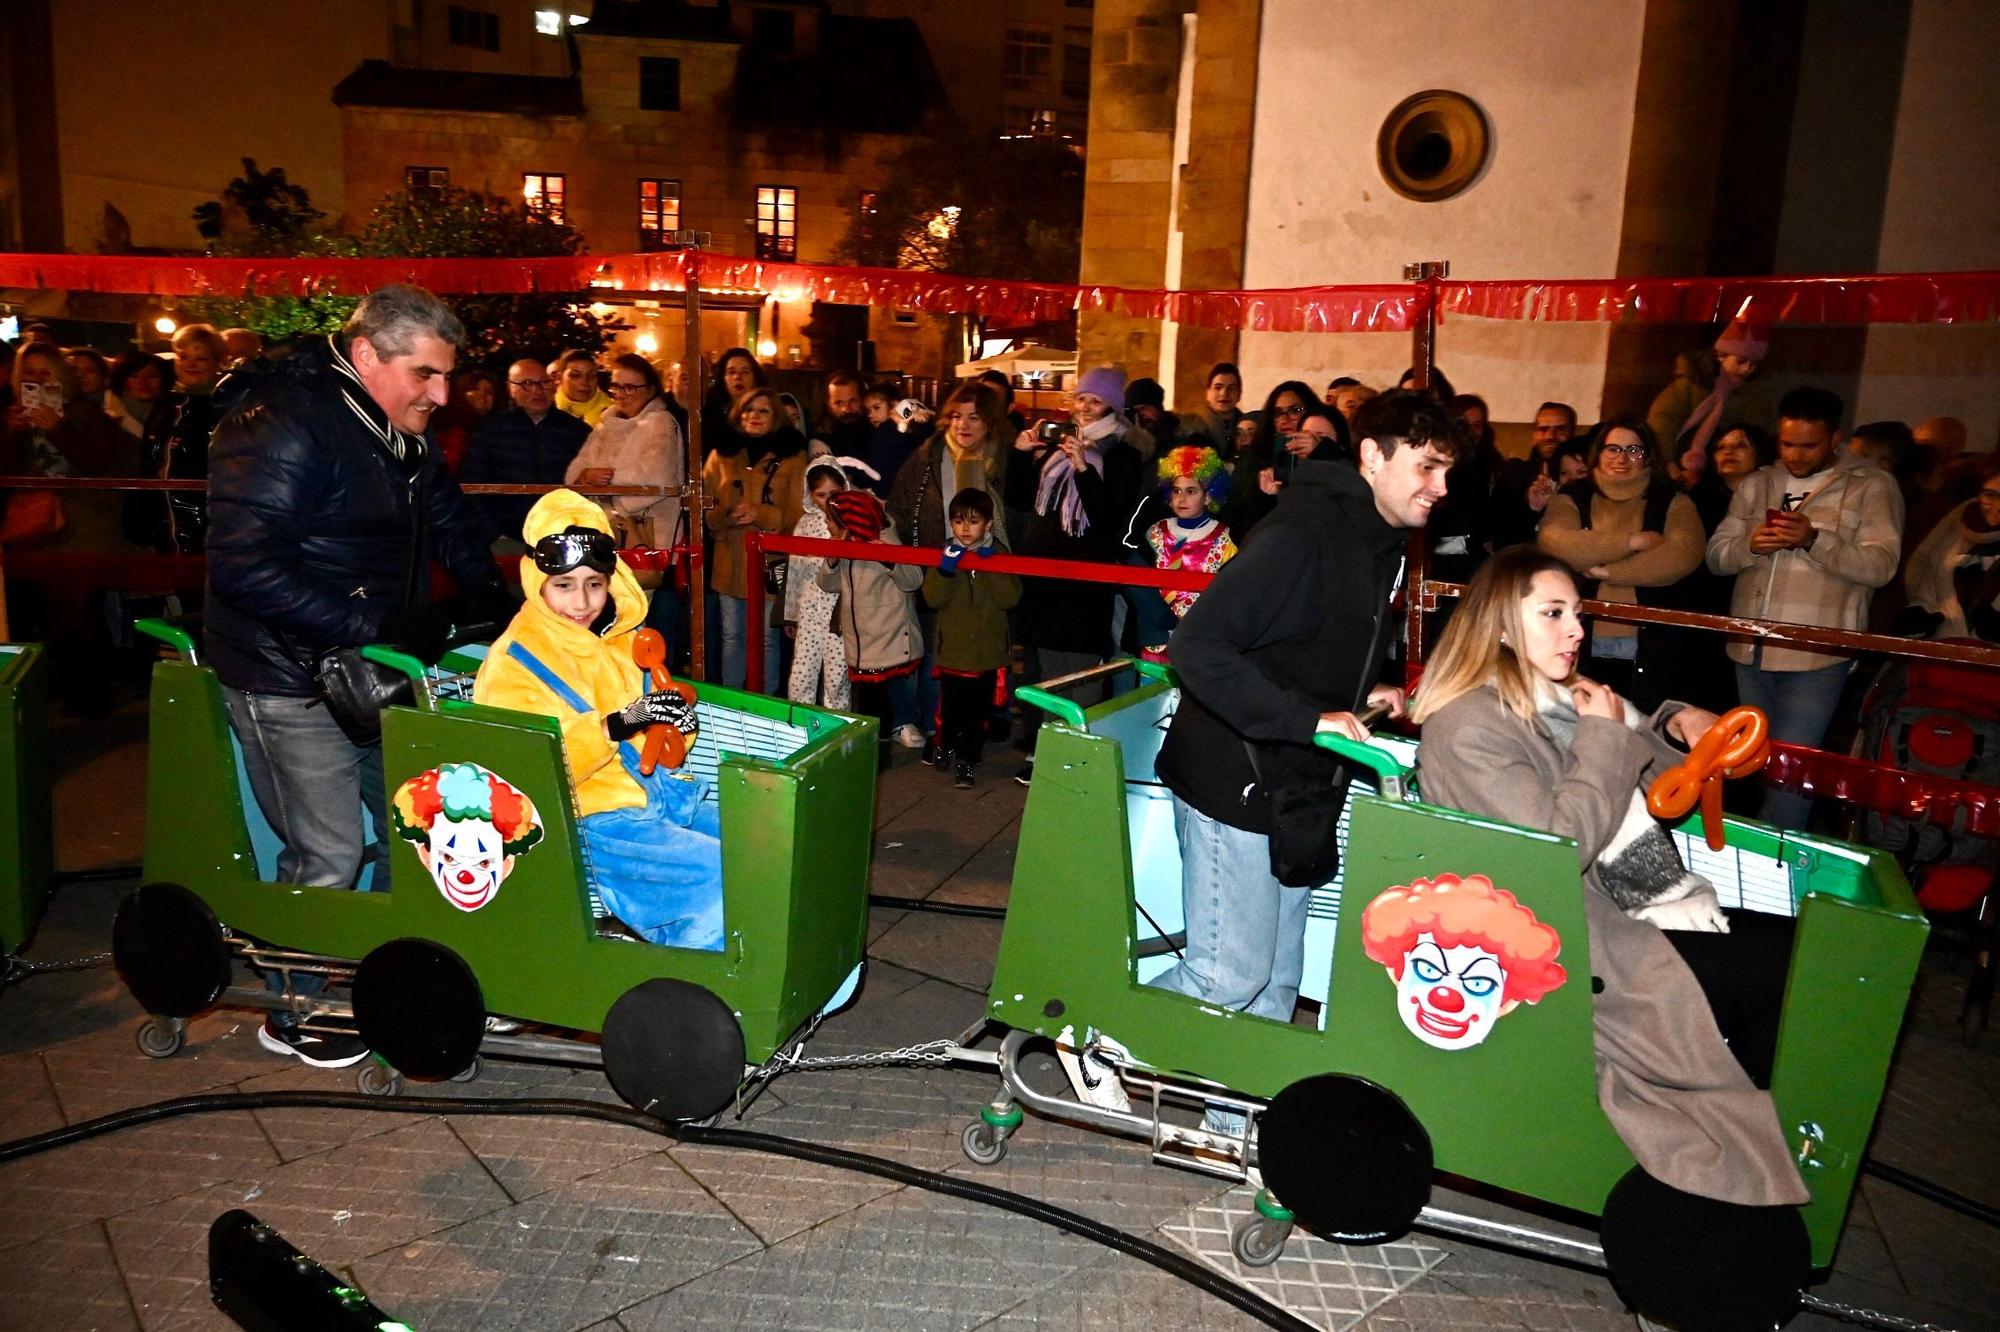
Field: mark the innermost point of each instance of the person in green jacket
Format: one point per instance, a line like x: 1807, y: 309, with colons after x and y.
x: 972, y: 645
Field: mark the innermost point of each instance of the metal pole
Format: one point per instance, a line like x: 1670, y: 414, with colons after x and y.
x: 693, y: 503
x: 755, y: 613
x: 1429, y: 275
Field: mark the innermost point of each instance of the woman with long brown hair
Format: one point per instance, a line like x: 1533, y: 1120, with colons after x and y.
x: 1512, y: 732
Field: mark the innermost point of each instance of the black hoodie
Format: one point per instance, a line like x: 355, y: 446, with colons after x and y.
x: 1298, y: 624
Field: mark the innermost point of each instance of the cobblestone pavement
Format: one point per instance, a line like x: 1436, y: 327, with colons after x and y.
x: 454, y: 1222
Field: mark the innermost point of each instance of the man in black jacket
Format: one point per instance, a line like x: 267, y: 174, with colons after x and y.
x: 1288, y: 642
x: 531, y: 443
x: 326, y: 503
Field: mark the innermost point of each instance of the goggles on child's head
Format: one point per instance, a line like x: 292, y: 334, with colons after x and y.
x: 559, y: 552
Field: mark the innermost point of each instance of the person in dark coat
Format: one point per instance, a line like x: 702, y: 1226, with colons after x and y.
x: 1289, y: 641
x: 326, y: 505
x: 530, y: 443
x: 175, y: 447
x: 1078, y: 496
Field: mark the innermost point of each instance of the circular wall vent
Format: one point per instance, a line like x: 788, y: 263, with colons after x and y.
x: 1433, y: 145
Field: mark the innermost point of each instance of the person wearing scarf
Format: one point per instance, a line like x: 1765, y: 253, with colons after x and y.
x: 1194, y: 483
x: 1512, y: 732
x: 1078, y: 493
x: 1629, y: 536
x: 1720, y: 389
x: 1953, y: 577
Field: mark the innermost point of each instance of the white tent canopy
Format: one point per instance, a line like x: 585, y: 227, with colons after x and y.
x: 1027, y: 359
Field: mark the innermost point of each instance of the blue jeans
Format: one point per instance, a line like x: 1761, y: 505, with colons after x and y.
x: 1246, y: 932
x: 735, y: 647
x: 311, y: 782
x: 1800, y: 704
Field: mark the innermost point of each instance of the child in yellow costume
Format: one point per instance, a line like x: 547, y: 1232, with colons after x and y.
x: 654, y: 843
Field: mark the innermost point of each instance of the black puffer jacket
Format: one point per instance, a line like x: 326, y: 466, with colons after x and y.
x: 312, y: 519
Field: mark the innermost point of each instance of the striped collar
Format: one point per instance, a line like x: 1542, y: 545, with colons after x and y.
x: 373, y: 417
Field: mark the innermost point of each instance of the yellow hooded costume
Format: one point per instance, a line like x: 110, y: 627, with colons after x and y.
x: 598, y: 667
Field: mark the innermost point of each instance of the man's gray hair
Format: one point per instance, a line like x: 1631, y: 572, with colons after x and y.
x: 393, y: 318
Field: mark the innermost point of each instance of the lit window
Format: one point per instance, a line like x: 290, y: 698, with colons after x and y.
x: 659, y: 83
x: 777, y: 222
x: 659, y: 213
x: 549, y: 22
x: 473, y: 27
x: 544, y: 196
x: 425, y: 179
x: 871, y: 202
x: 1026, y: 56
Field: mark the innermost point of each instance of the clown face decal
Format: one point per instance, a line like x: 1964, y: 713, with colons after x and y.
x: 468, y: 826
x: 1462, y: 954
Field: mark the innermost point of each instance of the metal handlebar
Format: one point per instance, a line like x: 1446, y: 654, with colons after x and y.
x: 1069, y: 710
x: 1389, y: 771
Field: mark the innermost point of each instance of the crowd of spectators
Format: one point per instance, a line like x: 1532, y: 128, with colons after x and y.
x: 1725, y: 496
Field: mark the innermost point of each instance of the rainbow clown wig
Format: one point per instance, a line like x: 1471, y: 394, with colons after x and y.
x: 1201, y: 463
x: 464, y: 792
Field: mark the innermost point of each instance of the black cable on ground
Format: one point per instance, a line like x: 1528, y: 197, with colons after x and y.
x: 1062, y: 1218
x: 941, y: 908
x: 1936, y: 1193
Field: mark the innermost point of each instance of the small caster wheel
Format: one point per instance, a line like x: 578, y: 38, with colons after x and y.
x: 376, y: 1079
x: 471, y: 1072
x: 161, y: 1037
x: 983, y: 1144
x: 1258, y: 1240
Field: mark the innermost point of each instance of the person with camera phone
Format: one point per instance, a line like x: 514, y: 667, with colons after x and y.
x: 1079, y: 480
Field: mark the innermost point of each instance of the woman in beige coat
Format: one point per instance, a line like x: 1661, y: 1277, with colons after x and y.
x: 1512, y: 732
x: 1630, y: 535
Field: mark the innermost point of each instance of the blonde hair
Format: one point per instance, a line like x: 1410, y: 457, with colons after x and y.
x: 203, y: 335
x: 1472, y: 654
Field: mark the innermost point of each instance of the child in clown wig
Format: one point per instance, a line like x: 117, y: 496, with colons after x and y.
x: 1194, y: 483
x: 654, y: 840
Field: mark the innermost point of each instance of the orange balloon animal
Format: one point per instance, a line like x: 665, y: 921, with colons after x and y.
x: 1736, y: 746
x: 649, y: 652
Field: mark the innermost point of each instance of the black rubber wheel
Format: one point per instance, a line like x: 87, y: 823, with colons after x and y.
x: 169, y: 950
x: 673, y: 1049
x: 1689, y: 1261
x: 1346, y: 1158
x: 982, y: 1143
x: 418, y: 1005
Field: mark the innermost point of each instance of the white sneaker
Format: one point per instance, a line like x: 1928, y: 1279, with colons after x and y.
x: 1092, y: 1077
x: 909, y: 737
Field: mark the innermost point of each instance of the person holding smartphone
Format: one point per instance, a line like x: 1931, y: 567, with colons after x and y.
x: 1293, y: 425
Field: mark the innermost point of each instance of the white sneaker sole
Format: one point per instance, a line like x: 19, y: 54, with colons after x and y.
x: 276, y: 1046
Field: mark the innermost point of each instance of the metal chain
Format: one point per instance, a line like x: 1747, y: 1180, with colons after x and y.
x: 1852, y: 1313
x: 791, y: 1061
x: 19, y: 968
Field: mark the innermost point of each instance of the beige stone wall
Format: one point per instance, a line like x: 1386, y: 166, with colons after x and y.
x: 1128, y: 172
x: 1215, y: 185
x: 148, y: 123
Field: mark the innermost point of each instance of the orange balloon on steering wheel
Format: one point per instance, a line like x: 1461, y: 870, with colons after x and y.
x: 1737, y: 745
x: 649, y: 653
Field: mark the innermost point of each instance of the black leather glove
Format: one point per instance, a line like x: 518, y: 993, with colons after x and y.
x: 428, y: 632
x: 663, y: 708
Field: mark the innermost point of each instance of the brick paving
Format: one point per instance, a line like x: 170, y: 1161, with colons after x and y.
x: 456, y: 1222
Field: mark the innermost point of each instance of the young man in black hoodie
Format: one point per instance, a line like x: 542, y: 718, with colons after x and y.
x: 1287, y: 642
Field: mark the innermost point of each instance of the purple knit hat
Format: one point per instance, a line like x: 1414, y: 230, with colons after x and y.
x: 1746, y: 338
x: 1106, y: 382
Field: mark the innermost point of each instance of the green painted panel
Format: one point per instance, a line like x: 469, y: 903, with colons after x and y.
x: 1518, y: 1109
x: 27, y: 849
x: 1852, y: 969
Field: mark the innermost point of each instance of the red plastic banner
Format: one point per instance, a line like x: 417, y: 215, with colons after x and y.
x: 1905, y: 298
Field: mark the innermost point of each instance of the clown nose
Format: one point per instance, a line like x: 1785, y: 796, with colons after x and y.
x: 1447, y: 1000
